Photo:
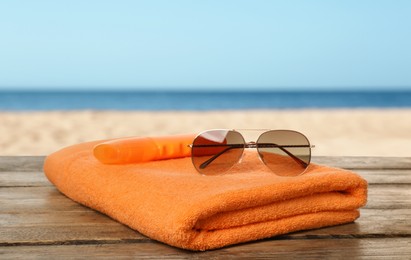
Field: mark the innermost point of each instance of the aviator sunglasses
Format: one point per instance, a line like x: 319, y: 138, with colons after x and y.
x: 285, y: 152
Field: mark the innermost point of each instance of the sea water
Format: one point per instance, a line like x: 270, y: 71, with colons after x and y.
x: 199, y: 100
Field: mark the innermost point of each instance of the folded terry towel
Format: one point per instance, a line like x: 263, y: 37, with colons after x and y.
x: 169, y: 201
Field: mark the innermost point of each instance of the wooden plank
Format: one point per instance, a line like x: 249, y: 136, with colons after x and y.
x: 357, y: 162
x: 54, y: 218
x: 93, y: 227
x: 21, y: 163
x: 23, y: 179
x: 35, y: 163
x: 391, y: 196
x: 373, y: 223
x: 42, y: 199
x: 43, y: 211
x: 393, y: 176
x: 36, y: 219
x: 69, y: 233
x: 281, y: 249
x: 35, y: 200
x: 38, y: 179
x: 63, y: 227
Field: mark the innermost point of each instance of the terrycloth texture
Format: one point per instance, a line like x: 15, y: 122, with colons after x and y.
x: 169, y: 201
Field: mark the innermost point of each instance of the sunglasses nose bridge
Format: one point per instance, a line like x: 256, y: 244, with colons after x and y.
x: 250, y: 145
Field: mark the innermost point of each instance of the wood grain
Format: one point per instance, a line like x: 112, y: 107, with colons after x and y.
x: 35, y: 177
x: 35, y: 163
x: 21, y: 163
x: 388, y: 248
x: 392, y: 176
x: 42, y: 199
x: 377, y: 163
x: 37, y: 220
x: 23, y: 179
x: 45, y: 213
x: 74, y: 227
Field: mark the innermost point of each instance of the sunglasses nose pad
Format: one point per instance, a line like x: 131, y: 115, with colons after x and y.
x: 241, y: 157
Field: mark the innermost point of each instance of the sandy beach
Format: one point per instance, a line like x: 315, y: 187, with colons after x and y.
x: 353, y: 132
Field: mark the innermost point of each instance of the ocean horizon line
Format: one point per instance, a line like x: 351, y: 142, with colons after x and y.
x: 206, y: 100
x: 339, y: 89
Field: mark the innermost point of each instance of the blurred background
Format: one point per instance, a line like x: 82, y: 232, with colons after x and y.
x: 74, y: 71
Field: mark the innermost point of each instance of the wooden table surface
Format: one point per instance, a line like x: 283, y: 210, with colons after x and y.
x: 37, y: 221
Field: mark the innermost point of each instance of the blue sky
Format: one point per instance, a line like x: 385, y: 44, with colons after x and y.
x: 205, y: 44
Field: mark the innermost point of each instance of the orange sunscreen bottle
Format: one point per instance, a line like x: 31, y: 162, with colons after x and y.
x: 143, y: 149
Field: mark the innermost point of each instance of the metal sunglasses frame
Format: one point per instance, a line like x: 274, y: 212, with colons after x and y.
x: 253, y: 144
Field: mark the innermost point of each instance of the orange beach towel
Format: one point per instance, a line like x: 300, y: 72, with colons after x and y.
x: 169, y: 201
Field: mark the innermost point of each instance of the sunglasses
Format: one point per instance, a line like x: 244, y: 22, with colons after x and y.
x: 285, y: 152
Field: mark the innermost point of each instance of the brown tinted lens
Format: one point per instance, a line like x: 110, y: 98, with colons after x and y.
x: 285, y: 152
x: 216, y: 151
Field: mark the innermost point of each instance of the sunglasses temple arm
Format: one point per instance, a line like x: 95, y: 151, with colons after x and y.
x: 298, y: 160
x: 295, y: 158
x: 206, y: 163
x: 304, y: 164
